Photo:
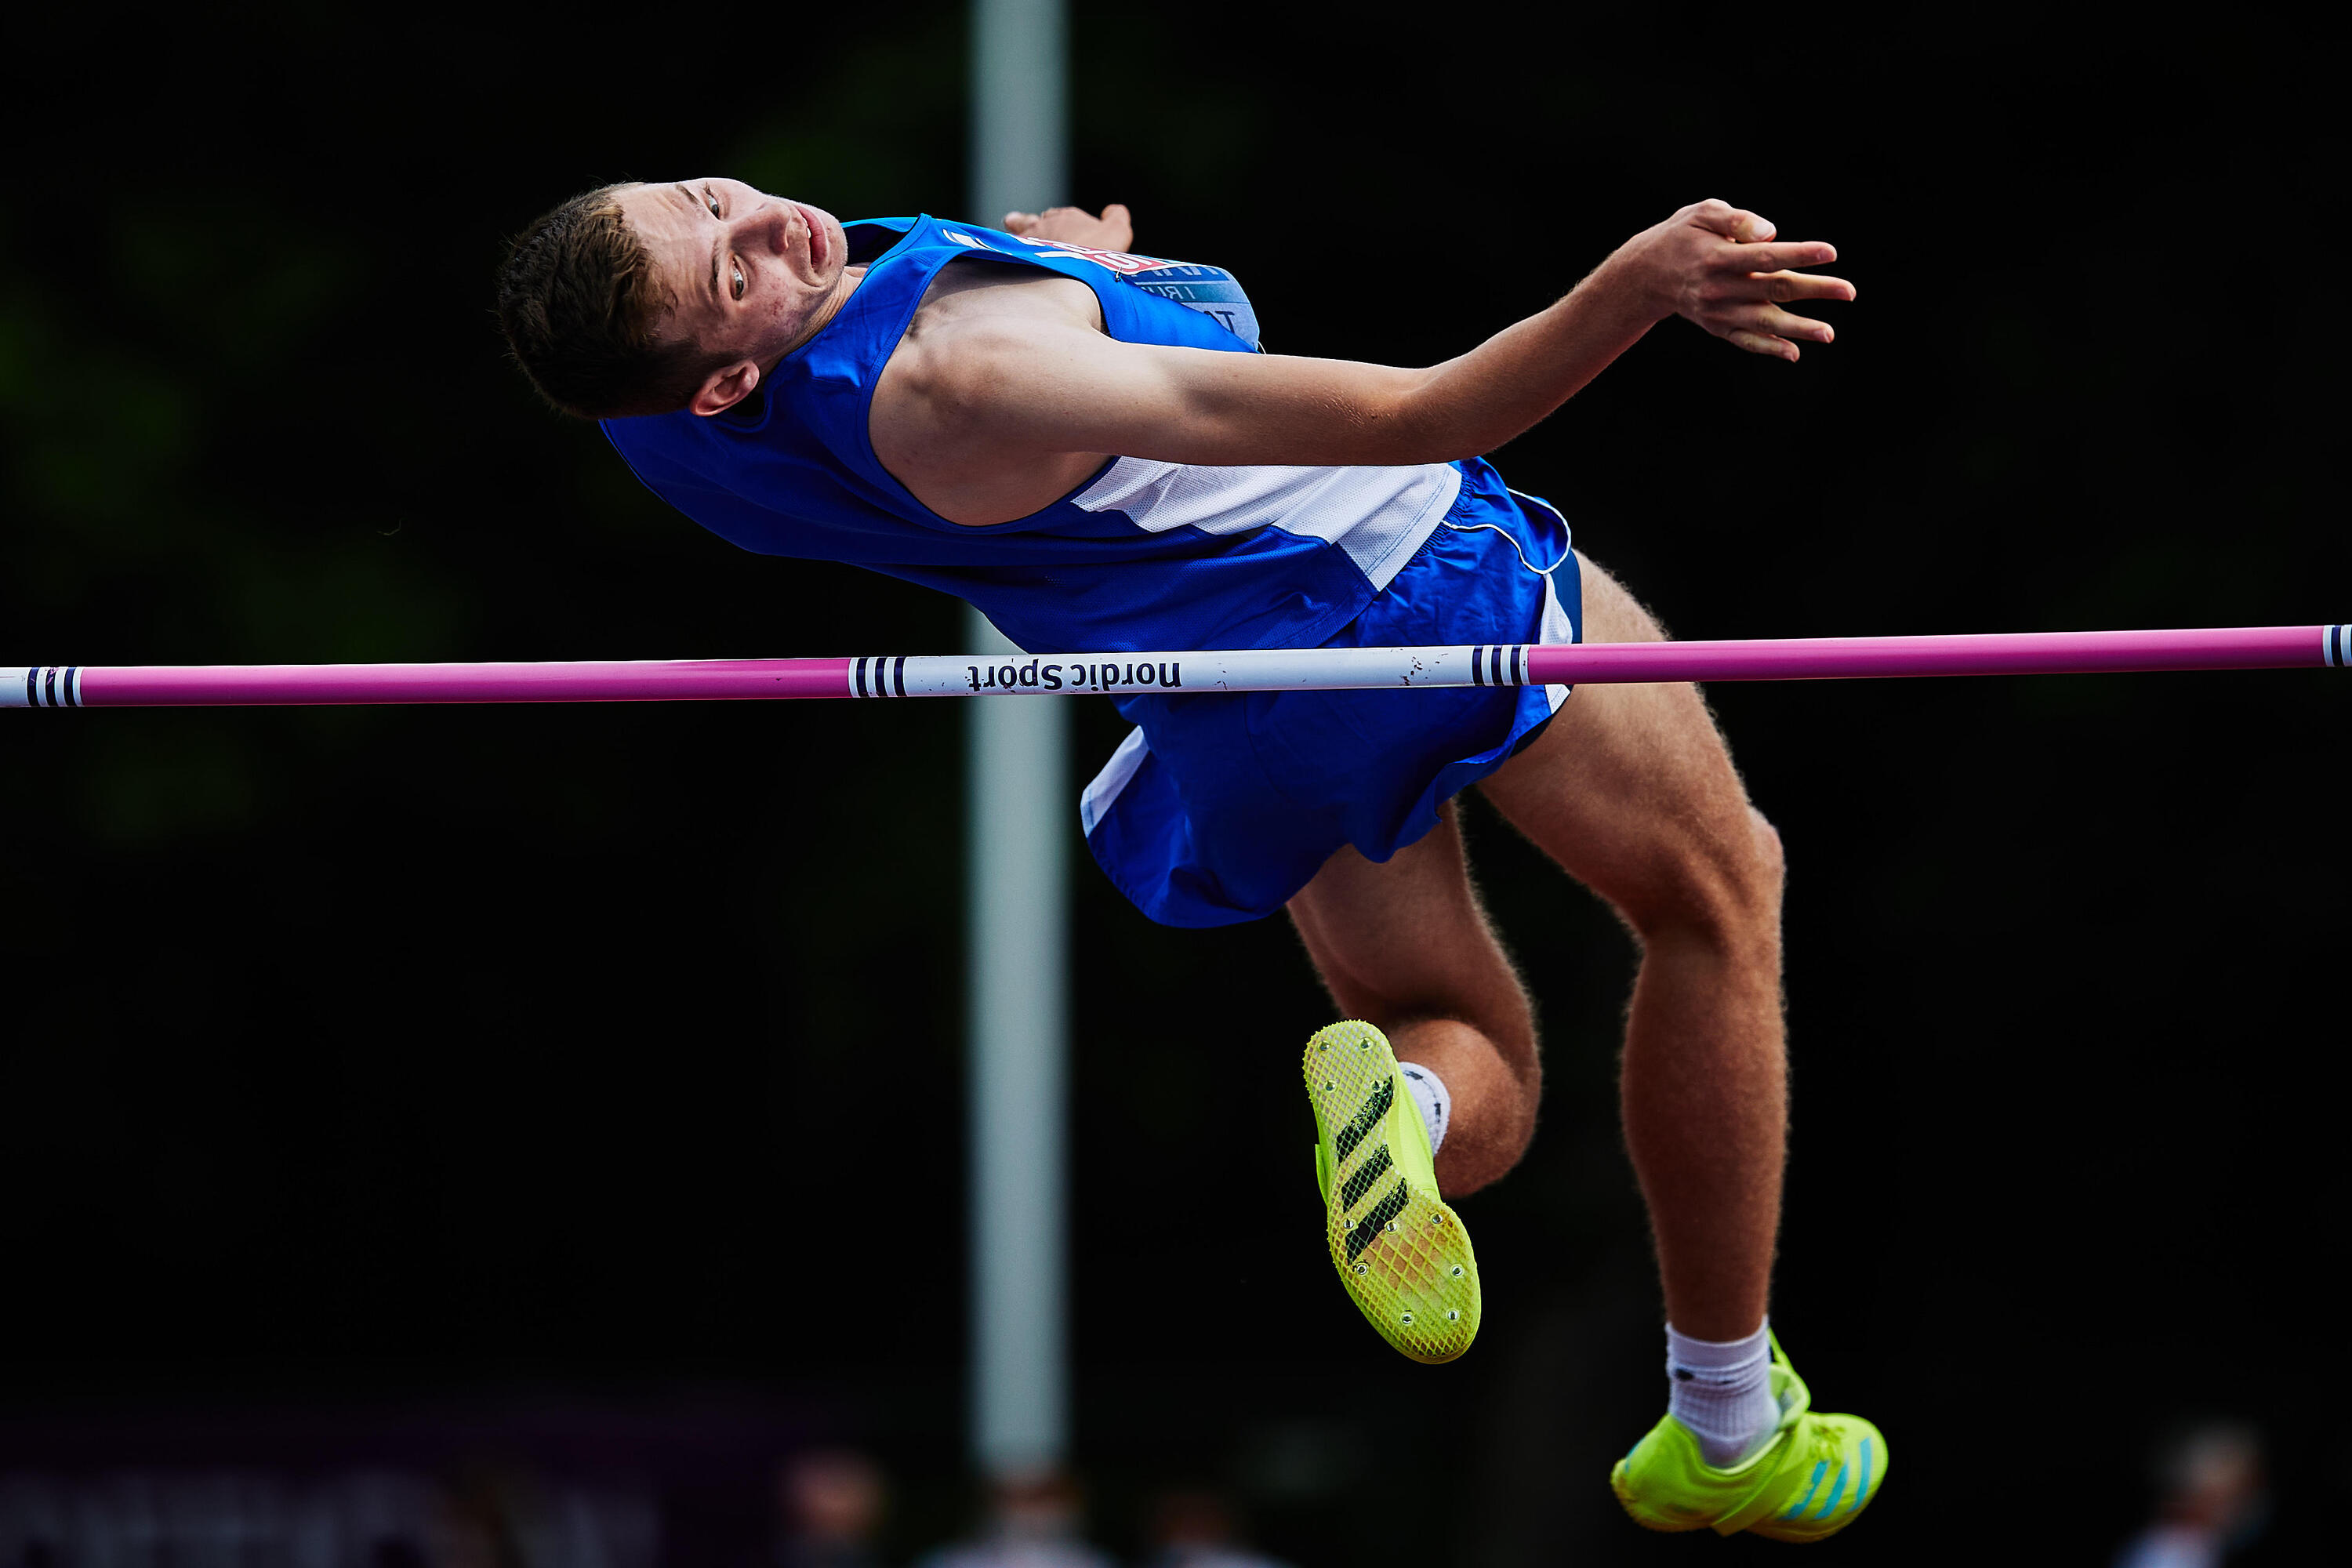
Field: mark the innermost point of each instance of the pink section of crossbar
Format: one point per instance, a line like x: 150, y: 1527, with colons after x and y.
x: 615, y: 680
x: 1998, y: 653
x: 660, y: 680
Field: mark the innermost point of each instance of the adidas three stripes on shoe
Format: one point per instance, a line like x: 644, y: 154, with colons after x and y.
x: 1407, y: 1264
x: 1403, y: 1254
x: 1811, y: 1480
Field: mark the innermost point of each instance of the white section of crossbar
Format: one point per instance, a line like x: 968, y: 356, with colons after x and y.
x: 1259, y: 670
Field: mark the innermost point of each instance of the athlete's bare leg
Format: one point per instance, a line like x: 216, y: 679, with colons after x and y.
x: 1405, y: 946
x: 1632, y: 791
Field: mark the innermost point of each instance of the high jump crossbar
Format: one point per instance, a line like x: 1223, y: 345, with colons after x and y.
x: 1125, y: 673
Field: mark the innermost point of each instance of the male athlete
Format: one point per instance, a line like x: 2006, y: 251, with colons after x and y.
x: 1084, y: 443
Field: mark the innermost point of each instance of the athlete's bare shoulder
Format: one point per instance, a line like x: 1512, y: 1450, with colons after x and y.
x: 981, y: 316
x: 975, y: 299
x: 971, y: 335
x: 974, y: 295
x: 986, y: 331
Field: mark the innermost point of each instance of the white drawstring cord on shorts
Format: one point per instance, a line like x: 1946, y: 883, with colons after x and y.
x: 1539, y: 571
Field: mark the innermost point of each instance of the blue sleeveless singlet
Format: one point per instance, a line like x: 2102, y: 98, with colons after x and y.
x: 1217, y: 809
x: 1147, y: 555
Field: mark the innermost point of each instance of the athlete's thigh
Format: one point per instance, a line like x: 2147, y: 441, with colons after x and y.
x: 1408, y: 940
x: 1631, y: 789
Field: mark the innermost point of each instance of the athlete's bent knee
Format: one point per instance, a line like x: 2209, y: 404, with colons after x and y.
x: 1768, y: 844
x: 1720, y: 888
x: 1477, y: 1155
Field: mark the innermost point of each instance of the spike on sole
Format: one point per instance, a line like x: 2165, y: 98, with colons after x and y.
x: 1403, y: 1254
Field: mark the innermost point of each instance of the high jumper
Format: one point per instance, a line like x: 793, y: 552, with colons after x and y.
x: 836, y: 391
x: 1085, y: 443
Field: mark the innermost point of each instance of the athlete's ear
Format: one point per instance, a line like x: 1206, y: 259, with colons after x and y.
x: 725, y: 387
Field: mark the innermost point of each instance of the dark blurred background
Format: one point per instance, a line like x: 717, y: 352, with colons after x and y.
x: 565, y: 1103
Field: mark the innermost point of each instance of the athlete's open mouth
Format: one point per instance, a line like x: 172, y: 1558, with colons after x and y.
x: 816, y: 237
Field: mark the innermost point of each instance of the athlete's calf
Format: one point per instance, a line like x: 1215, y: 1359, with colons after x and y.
x: 1632, y: 790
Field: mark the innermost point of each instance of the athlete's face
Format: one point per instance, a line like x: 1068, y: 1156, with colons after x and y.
x: 751, y: 276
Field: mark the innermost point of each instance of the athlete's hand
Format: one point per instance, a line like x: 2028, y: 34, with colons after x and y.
x: 1075, y: 226
x: 1718, y: 265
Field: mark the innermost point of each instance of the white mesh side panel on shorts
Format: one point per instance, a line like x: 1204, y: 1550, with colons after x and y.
x: 1096, y: 803
x: 1556, y: 630
x: 1378, y: 516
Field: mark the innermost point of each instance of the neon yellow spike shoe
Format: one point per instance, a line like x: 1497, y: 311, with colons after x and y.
x: 1400, y: 1252
x: 1811, y: 1481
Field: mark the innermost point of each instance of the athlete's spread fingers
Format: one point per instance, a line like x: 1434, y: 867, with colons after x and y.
x: 1778, y: 286
x: 1761, y: 343
x: 1779, y: 257
x: 1075, y: 226
x: 1731, y: 222
x: 1770, y: 320
x: 1119, y: 226
x: 1738, y: 224
x: 1782, y: 325
x: 1783, y: 287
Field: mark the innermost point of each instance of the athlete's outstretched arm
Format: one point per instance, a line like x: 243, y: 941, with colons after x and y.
x: 1002, y: 394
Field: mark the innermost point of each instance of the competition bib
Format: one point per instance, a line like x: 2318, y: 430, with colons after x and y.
x: 1212, y: 291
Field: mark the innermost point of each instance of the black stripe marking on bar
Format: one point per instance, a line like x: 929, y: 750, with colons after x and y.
x: 33, y: 687
x: 1388, y: 1208
x: 2335, y: 648
x: 1353, y: 1189
x: 72, y: 698
x: 1478, y: 665
x: 861, y: 680
x: 899, y: 674
x: 50, y: 682
x: 1516, y: 679
x: 1366, y: 1118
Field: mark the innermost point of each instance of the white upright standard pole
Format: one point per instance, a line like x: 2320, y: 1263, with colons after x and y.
x: 1021, y: 816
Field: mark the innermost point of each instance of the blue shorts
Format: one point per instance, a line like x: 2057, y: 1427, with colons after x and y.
x: 1217, y: 809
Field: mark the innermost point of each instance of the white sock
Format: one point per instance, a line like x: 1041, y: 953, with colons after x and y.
x: 1723, y: 1393
x: 1429, y: 1093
